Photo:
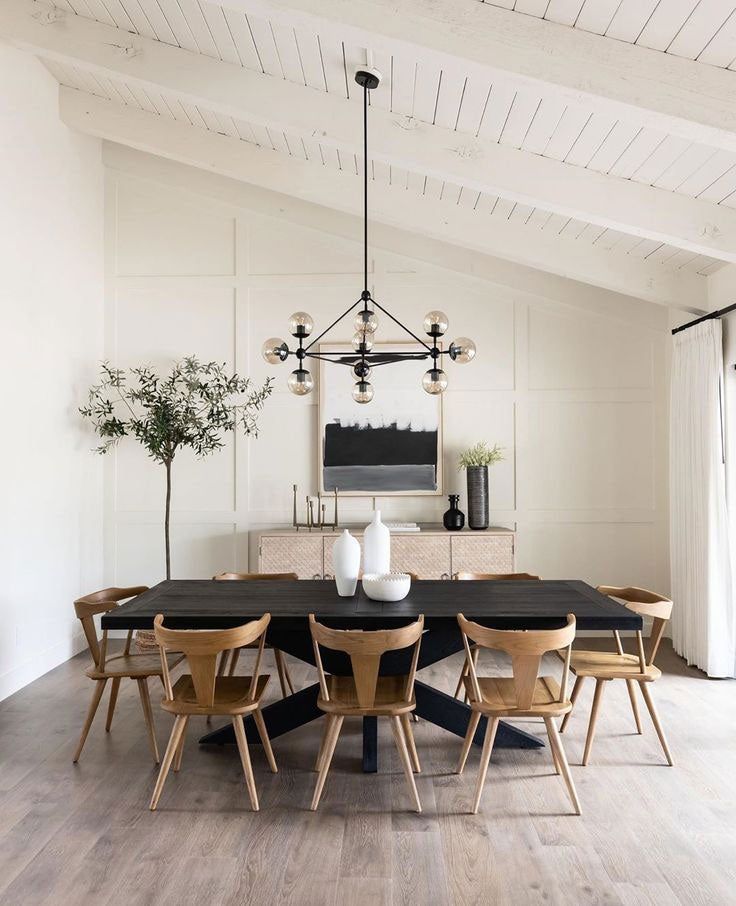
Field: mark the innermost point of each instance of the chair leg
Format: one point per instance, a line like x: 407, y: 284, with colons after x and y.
x: 115, y: 686
x: 284, y: 675
x: 223, y: 663
x: 234, y: 662
x: 250, y: 780
x: 468, y: 742
x: 180, y: 750
x: 266, y: 742
x: 634, y: 705
x: 410, y: 744
x: 400, y: 741
x: 148, y: 715
x: 323, y: 743
x: 91, y: 711
x: 330, y: 743
x: 484, y: 759
x: 597, y: 696
x: 576, y: 689
x: 463, y: 674
x: 655, y: 720
x: 180, y: 723
x: 561, y: 759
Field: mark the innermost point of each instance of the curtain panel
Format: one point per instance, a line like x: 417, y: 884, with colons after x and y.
x: 704, y: 616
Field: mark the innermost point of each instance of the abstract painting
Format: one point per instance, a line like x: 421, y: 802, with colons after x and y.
x: 392, y: 445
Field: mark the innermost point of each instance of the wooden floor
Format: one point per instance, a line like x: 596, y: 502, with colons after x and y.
x: 649, y: 834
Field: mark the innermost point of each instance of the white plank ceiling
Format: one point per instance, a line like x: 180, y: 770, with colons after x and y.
x: 542, y: 124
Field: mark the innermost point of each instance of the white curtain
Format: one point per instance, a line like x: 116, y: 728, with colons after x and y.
x: 704, y: 613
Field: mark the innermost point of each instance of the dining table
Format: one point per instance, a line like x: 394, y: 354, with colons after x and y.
x: 499, y: 604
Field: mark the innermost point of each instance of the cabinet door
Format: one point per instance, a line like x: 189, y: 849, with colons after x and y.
x: 483, y: 553
x: 297, y: 553
x: 427, y: 556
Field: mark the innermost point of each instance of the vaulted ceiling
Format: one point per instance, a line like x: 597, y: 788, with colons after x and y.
x: 590, y: 138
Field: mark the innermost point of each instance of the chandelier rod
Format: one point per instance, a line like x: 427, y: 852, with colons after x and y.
x: 336, y: 321
x: 365, y: 191
x: 403, y: 326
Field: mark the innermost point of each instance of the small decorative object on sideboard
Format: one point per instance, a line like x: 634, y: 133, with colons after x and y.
x: 376, y: 546
x: 320, y: 522
x: 475, y: 460
x: 389, y: 587
x: 454, y: 518
x: 346, y: 564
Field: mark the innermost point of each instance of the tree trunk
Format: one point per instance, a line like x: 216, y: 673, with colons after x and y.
x: 166, y: 518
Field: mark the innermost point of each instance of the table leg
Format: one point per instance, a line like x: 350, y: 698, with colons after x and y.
x: 370, y: 745
x: 453, y: 715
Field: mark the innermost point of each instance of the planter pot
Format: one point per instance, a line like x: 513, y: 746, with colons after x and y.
x: 346, y: 563
x: 477, y: 497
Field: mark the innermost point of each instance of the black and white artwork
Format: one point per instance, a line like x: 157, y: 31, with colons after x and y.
x: 392, y: 445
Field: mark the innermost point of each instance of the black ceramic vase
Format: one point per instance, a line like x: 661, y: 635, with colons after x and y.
x: 477, y: 497
x: 454, y: 518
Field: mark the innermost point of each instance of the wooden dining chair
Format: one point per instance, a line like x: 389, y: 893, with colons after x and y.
x: 203, y: 692
x: 635, y: 669
x: 287, y: 686
x: 525, y: 694
x: 366, y: 693
x: 118, y: 667
x: 472, y: 577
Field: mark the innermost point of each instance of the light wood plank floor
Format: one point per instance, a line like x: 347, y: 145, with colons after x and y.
x: 649, y: 834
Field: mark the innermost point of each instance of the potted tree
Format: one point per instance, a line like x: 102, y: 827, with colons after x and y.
x: 192, y: 406
x: 475, y: 460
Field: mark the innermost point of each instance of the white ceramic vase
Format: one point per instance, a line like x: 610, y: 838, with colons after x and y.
x: 346, y: 563
x: 376, y: 546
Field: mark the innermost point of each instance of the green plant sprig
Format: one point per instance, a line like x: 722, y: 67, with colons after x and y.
x: 480, y: 454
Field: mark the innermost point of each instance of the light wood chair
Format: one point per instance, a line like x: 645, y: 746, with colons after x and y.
x: 472, y: 577
x: 287, y: 686
x: 202, y: 692
x: 118, y: 667
x: 365, y: 693
x: 635, y: 669
x: 525, y: 694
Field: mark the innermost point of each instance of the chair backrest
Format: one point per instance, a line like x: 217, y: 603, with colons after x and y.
x: 202, y: 646
x: 461, y: 576
x: 526, y: 648
x: 88, y: 606
x: 365, y: 649
x: 245, y: 577
x: 646, y: 604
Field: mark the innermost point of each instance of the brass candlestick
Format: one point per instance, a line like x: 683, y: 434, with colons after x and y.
x: 321, y: 521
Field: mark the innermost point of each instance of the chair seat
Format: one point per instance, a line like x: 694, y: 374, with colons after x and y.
x: 134, y: 665
x: 610, y: 665
x: 231, y: 696
x: 389, y: 700
x: 499, y: 697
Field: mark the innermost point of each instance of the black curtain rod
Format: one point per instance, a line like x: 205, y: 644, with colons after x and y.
x: 712, y: 314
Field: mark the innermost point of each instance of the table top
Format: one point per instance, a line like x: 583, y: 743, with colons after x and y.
x: 536, y: 604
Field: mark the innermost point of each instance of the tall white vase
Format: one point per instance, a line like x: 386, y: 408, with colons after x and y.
x: 346, y: 563
x: 376, y: 546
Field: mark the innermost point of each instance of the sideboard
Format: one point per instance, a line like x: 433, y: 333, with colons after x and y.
x: 431, y: 553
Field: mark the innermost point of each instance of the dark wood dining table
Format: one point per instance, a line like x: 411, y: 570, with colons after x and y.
x: 536, y: 604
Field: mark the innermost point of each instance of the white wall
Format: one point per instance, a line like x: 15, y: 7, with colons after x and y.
x: 51, y: 267
x: 574, y: 386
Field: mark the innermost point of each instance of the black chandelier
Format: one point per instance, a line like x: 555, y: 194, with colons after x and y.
x: 363, y: 360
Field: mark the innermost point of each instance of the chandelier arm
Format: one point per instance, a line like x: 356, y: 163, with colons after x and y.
x: 402, y: 326
x: 336, y: 321
x: 320, y: 358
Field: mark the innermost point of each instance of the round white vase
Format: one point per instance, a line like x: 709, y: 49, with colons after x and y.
x: 346, y: 564
x: 376, y: 546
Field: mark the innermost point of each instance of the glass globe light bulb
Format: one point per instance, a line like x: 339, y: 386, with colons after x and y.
x: 362, y: 341
x: 435, y: 323
x: 462, y: 350
x: 301, y: 324
x: 366, y: 321
x: 434, y: 380
x: 362, y: 371
x: 301, y: 382
x: 362, y: 392
x: 274, y: 351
